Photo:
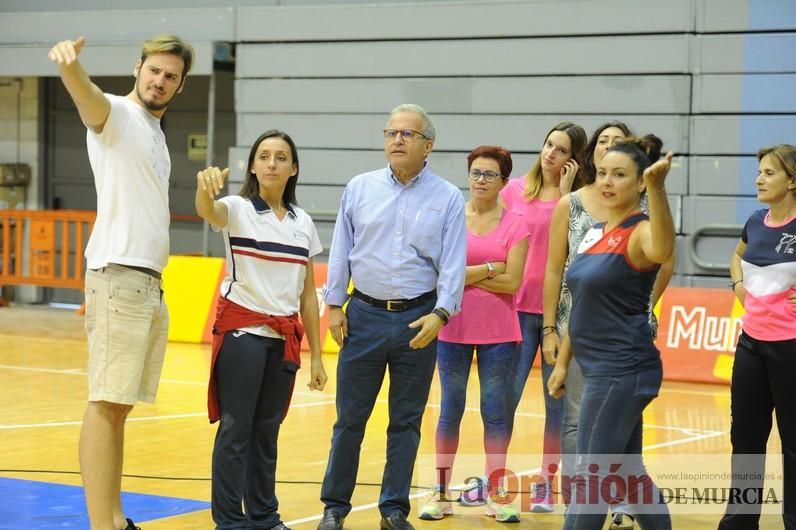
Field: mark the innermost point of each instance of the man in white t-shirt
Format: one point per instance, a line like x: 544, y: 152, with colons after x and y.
x: 126, y: 319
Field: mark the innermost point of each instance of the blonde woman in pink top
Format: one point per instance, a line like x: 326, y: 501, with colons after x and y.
x: 534, y: 196
x: 487, y: 324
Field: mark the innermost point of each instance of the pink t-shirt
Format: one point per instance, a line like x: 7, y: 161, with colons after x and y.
x: 769, y: 276
x: 486, y: 317
x: 537, y: 215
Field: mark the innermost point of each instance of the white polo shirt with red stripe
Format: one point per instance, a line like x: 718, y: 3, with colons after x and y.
x: 266, y: 258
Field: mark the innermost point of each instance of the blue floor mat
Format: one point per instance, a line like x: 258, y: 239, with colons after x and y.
x: 32, y: 505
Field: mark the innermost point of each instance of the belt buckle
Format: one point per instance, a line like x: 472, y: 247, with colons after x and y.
x: 390, y: 305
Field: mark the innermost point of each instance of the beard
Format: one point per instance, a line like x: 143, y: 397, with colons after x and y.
x: 151, y: 105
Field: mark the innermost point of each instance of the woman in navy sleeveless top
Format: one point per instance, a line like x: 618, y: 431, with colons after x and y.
x: 611, y: 280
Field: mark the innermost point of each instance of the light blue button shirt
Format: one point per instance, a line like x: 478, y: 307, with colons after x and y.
x: 398, y: 242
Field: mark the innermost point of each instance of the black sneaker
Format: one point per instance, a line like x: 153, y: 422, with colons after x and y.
x: 331, y: 521
x: 131, y: 525
x: 280, y: 526
x: 621, y: 521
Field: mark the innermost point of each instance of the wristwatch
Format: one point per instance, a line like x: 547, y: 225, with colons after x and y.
x: 490, y: 270
x: 442, y: 314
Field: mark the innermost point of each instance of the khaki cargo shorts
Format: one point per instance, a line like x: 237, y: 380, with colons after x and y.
x: 127, y: 324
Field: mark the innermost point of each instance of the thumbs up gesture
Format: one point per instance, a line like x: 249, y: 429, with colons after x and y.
x: 65, y: 52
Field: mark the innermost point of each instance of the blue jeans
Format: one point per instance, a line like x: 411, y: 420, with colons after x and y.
x: 531, y: 325
x: 495, y: 373
x: 378, y: 340
x: 610, y: 424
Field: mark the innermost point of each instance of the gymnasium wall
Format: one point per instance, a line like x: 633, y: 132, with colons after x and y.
x: 713, y: 78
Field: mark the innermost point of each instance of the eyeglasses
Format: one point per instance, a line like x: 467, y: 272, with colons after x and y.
x: 489, y: 176
x: 407, y: 134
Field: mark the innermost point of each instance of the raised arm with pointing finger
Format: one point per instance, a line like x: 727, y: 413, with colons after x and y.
x: 91, y: 103
x: 126, y: 317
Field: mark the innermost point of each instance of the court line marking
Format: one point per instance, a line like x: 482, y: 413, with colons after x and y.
x: 82, y: 371
x: 28, y: 338
x: 144, y: 418
x: 67, y: 371
x: 77, y: 371
x: 722, y: 391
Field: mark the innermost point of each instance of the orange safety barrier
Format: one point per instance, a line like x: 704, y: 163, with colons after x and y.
x: 48, y: 263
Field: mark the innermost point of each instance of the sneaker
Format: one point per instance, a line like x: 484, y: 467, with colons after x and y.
x: 131, y: 525
x: 435, y: 508
x: 541, y: 499
x: 622, y: 521
x: 331, y: 521
x: 280, y: 526
x: 475, y: 494
x: 501, y: 508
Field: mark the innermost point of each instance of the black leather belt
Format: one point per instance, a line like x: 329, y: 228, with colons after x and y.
x: 155, y: 274
x: 395, y: 305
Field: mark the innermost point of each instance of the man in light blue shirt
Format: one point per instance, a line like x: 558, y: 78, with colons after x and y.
x: 401, y: 237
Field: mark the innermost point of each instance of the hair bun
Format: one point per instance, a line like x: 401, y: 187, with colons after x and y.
x: 645, y: 150
x: 649, y: 144
x: 652, y: 146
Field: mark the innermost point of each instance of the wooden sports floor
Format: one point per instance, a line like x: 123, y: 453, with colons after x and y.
x: 167, y: 459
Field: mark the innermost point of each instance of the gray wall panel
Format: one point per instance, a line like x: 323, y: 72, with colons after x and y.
x: 112, y: 5
x: 723, y: 175
x: 455, y: 57
x: 751, y: 53
x: 540, y: 17
x: 725, y: 93
x: 677, y: 179
x: 676, y: 206
x: 745, y: 15
x: 712, y: 250
x: 712, y: 282
x: 733, y: 135
x: 320, y: 199
x: 31, y: 60
x: 483, y: 95
x: 454, y: 132
x: 69, y: 146
x: 82, y: 195
x: 699, y: 212
x: 128, y: 26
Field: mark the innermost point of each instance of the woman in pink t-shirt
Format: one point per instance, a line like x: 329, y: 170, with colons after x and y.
x: 554, y: 174
x: 487, y: 324
x: 763, y: 273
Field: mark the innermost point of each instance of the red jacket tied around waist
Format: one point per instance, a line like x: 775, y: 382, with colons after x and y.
x: 231, y: 316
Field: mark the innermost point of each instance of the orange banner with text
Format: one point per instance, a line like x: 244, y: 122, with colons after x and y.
x: 697, y: 332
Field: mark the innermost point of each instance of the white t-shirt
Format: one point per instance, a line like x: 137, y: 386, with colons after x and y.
x: 131, y: 168
x: 266, y: 258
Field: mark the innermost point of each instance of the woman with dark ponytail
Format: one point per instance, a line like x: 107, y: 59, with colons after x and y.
x: 611, y: 280
x: 573, y: 216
